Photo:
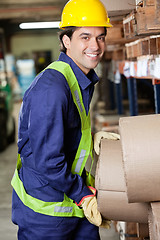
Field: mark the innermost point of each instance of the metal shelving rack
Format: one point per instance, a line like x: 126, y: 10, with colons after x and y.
x: 132, y: 95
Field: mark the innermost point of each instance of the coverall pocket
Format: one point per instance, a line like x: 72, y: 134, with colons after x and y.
x: 38, y: 187
x: 32, y: 179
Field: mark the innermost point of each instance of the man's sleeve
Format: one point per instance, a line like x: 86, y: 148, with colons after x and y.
x: 46, y: 130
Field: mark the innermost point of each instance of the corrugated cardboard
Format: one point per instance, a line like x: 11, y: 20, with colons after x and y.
x: 110, y: 174
x: 154, y: 221
x: 140, y: 139
x: 112, y: 198
x: 113, y: 205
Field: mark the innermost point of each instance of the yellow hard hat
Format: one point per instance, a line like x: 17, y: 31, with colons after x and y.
x: 84, y: 13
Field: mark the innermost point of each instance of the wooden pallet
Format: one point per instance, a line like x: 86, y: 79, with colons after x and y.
x: 145, y: 46
x: 144, y: 21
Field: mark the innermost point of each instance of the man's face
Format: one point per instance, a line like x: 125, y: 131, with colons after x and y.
x: 86, y: 47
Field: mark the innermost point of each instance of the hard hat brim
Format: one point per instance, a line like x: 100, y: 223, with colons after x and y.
x: 62, y: 26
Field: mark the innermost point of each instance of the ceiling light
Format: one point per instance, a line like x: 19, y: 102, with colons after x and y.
x: 36, y: 25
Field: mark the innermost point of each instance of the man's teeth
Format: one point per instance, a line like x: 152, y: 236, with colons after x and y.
x: 92, y: 55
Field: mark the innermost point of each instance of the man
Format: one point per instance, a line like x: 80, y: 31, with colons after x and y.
x: 54, y: 196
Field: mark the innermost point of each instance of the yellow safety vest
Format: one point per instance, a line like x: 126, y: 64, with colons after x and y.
x: 67, y: 208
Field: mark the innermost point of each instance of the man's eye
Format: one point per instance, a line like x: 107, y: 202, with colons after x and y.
x: 101, y: 39
x: 85, y: 38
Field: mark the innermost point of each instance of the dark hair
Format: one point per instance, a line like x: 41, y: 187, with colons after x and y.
x: 69, y: 32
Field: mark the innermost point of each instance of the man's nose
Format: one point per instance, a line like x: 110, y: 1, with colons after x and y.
x: 94, y: 44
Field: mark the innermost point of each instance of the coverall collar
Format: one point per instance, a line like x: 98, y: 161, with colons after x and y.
x: 83, y: 80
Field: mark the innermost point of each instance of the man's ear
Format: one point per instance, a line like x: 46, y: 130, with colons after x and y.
x: 66, y: 41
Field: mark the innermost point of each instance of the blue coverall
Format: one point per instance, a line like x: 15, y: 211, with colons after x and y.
x: 48, y: 137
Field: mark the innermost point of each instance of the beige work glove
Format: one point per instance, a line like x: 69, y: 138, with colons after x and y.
x: 90, y: 208
x: 89, y: 205
x: 99, y: 135
x: 91, y: 212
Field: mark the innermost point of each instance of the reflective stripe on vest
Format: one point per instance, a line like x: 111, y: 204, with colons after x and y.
x: 66, y: 208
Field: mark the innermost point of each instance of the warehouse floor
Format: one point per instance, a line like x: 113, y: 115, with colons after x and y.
x: 7, y: 164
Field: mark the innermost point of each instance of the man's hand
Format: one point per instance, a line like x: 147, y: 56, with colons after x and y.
x: 90, y: 208
x: 99, y: 135
x: 91, y: 212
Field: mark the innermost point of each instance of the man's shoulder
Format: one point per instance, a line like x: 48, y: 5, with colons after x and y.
x: 50, y: 86
x: 49, y: 80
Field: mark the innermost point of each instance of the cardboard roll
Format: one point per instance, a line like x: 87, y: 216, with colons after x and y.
x: 110, y: 183
x: 140, y: 140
